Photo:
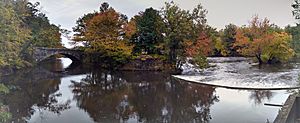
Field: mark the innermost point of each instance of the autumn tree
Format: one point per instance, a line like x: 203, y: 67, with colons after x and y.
x: 103, y: 32
x: 199, y: 49
x: 201, y: 46
x: 80, y: 28
x: 261, y: 41
x: 131, y: 29
x: 180, y: 26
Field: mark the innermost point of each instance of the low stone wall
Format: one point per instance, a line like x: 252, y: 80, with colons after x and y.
x: 147, y: 64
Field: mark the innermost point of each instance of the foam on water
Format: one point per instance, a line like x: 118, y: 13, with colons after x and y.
x: 243, y: 73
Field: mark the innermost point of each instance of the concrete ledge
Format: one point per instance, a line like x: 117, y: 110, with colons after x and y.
x: 288, y: 112
x: 236, y: 87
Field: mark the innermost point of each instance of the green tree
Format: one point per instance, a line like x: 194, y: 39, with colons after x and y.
x: 220, y: 49
x: 180, y: 26
x: 296, y: 7
x: 43, y: 34
x: 23, y: 27
x: 12, y: 37
x: 5, y: 115
x: 149, y: 26
x: 228, y: 39
x: 295, y: 32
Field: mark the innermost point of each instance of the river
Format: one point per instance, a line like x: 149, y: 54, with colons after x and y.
x: 56, y: 92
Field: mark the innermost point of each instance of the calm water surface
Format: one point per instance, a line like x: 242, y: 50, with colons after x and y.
x: 81, y: 95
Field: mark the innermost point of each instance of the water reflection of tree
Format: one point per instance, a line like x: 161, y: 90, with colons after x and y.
x: 258, y: 96
x: 32, y: 90
x: 5, y: 115
x: 174, y: 102
x: 115, y: 97
x: 99, y: 94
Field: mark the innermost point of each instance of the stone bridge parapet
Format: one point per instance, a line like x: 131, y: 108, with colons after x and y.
x: 42, y: 53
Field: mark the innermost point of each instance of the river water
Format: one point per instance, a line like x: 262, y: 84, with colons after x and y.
x: 55, y: 92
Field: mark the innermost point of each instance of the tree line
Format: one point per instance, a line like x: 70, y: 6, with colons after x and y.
x: 22, y: 27
x: 175, y: 34
x: 171, y: 34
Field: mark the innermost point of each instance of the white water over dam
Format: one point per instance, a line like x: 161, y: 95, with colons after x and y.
x: 240, y: 72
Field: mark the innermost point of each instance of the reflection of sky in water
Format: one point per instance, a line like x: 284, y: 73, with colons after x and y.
x: 238, y: 105
x: 72, y: 115
x: 240, y: 72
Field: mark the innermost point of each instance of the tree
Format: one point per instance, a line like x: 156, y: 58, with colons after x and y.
x: 103, y: 32
x: 296, y: 7
x: 80, y: 28
x: 199, y: 50
x: 130, y: 29
x: 228, y: 39
x: 23, y: 27
x: 43, y: 34
x: 180, y: 26
x: 149, y: 32
x: 220, y: 49
x: 295, y: 32
x: 261, y: 41
x: 201, y: 47
x: 12, y: 37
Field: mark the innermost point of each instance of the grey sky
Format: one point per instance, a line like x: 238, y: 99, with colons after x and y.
x: 220, y: 12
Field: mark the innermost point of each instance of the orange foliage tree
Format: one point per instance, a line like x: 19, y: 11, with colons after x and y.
x: 261, y: 41
x: 199, y: 49
x: 105, y: 35
x: 202, y: 46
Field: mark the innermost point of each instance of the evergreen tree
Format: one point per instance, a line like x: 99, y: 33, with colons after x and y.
x: 149, y: 32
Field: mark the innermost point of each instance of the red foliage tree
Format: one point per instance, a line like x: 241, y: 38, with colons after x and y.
x: 202, y: 46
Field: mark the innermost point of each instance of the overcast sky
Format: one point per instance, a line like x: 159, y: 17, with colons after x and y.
x: 220, y: 12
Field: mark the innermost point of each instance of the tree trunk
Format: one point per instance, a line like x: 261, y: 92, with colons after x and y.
x: 259, y: 59
x: 172, y: 55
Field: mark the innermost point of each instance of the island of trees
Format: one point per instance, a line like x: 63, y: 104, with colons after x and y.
x: 174, y: 34
x: 171, y: 35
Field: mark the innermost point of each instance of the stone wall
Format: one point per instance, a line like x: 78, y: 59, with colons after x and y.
x: 147, y: 64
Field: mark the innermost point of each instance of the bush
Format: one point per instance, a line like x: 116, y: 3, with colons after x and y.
x: 201, y: 61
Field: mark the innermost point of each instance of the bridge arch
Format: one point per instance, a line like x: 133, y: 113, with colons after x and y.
x: 41, y: 53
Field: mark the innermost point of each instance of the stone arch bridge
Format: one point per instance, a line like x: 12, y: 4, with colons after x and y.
x: 42, y: 53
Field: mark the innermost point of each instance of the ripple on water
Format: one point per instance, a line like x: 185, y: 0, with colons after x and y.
x: 243, y: 73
